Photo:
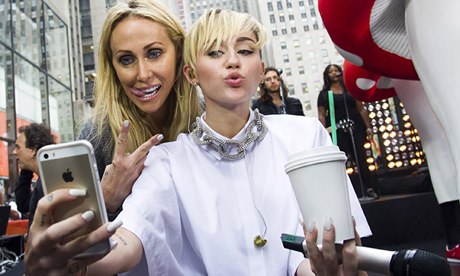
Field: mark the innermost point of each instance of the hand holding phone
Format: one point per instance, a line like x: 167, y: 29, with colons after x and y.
x: 72, y: 165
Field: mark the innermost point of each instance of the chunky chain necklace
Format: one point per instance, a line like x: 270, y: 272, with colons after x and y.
x: 203, y: 136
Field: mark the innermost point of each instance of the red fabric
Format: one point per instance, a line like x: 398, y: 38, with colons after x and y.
x: 351, y: 74
x: 347, y: 22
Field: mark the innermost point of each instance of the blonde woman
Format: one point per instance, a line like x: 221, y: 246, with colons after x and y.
x: 138, y: 93
x: 203, y: 205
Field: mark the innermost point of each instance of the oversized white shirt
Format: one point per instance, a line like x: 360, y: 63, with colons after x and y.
x: 197, y: 214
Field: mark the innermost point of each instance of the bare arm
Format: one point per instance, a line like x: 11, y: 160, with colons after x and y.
x: 364, y: 114
x: 122, y: 258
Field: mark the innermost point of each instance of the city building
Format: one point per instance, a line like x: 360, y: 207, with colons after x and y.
x: 302, y: 46
x: 39, y: 76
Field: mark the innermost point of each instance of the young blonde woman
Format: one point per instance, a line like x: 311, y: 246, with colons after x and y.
x: 203, y: 205
x: 138, y: 93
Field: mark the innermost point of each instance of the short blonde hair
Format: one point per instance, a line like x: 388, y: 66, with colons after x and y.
x: 112, y: 105
x: 216, y: 27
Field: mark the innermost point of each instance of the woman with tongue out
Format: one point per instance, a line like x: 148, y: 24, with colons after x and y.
x: 215, y: 201
x: 139, y: 99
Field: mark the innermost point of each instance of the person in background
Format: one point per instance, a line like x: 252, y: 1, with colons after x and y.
x: 346, y: 110
x: 202, y: 206
x: 270, y: 101
x: 30, y: 139
x: 23, y: 191
x: 138, y: 94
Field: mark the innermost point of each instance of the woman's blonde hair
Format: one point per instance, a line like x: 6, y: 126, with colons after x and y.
x: 112, y: 105
x: 216, y: 27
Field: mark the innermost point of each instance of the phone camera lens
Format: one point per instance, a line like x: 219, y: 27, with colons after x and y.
x: 45, y: 156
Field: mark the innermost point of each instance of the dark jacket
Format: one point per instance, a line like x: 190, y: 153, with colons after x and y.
x: 293, y: 106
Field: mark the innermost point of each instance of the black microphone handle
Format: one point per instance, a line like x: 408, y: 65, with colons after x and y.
x: 418, y: 262
x: 410, y: 262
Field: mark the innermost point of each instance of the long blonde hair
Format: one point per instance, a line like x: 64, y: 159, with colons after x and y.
x: 112, y: 105
x: 216, y: 27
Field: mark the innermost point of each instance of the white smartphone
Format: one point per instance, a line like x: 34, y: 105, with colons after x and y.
x: 73, y: 165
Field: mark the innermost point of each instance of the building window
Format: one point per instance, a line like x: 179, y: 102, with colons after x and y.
x: 274, y: 32
x: 291, y: 89
x: 288, y: 4
x: 283, y: 45
x: 322, y: 40
x: 301, y: 70
x: 303, y: 15
x: 279, y: 5
x: 324, y: 53
x: 298, y: 56
x: 306, y: 28
x: 296, y: 43
x: 293, y: 30
x: 304, y: 86
x: 270, y: 6
x: 272, y: 18
x: 301, y: 4
x: 288, y: 71
x: 282, y: 19
x: 314, y: 68
x: 284, y: 31
x: 285, y: 58
x: 291, y: 17
x: 307, y: 105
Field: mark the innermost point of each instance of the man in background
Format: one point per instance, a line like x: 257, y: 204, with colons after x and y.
x: 270, y: 100
x: 30, y: 139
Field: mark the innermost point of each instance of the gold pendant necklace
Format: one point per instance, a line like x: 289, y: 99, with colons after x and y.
x: 259, y: 241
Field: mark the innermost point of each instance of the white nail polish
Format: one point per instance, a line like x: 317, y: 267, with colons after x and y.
x: 125, y: 123
x: 160, y: 137
x: 87, y: 216
x: 114, y: 225
x: 113, y: 243
x: 311, y: 226
x: 328, y: 224
x: 77, y: 192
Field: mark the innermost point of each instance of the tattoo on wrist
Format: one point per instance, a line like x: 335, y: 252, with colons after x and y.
x: 121, y: 239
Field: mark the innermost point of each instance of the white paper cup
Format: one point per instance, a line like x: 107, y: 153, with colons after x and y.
x: 319, y: 180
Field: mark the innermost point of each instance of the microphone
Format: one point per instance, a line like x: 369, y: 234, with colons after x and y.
x: 280, y: 71
x: 397, y: 263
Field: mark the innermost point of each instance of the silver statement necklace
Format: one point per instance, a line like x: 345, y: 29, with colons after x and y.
x: 230, y: 149
x: 255, y: 131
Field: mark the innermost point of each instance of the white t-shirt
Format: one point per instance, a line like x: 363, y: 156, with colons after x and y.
x: 198, y: 214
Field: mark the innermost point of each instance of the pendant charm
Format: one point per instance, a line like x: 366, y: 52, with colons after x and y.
x: 259, y: 241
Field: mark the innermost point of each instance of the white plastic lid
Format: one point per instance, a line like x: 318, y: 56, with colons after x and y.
x: 314, y: 156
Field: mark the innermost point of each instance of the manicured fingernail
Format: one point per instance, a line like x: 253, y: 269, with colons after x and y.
x: 311, y: 227
x: 328, y: 224
x: 160, y: 137
x: 114, y: 225
x: 88, y: 216
x: 113, y: 243
x: 125, y: 123
x: 77, y: 192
